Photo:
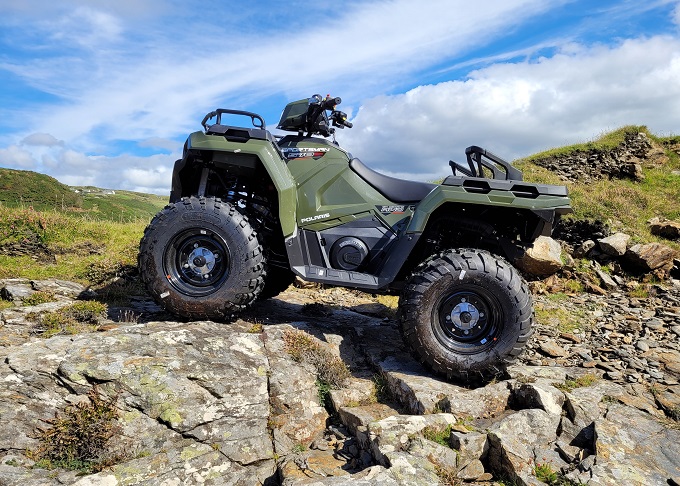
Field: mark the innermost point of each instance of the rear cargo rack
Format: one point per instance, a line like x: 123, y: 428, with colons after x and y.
x: 479, y: 159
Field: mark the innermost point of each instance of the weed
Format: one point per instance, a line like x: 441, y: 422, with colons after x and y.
x: 79, y: 438
x: 383, y: 393
x: 86, y: 311
x: 391, y: 303
x: 81, y: 316
x: 256, y: 328
x: 466, y: 422
x: 561, y: 318
x: 331, y: 371
x: 609, y: 399
x: 40, y: 297
x: 299, y: 448
x: 544, y: 473
x: 640, y: 292
x: 437, y: 435
x: 580, y: 382
x: 128, y: 316
x: 323, y: 390
x: 447, y: 475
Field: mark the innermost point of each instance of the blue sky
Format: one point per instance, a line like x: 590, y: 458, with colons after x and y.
x: 104, y: 92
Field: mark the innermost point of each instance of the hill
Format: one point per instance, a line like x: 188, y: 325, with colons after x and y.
x: 622, y: 179
x: 24, y: 189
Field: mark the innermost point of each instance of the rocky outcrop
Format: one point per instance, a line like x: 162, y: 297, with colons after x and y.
x: 622, y: 162
x: 209, y: 403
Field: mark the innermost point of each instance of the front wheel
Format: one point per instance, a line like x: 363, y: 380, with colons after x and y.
x: 201, y: 259
x: 466, y: 314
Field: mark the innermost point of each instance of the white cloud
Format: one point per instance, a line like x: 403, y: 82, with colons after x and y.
x: 17, y: 157
x: 126, y: 91
x: 157, y: 142
x: 676, y: 15
x: 125, y: 72
x: 516, y: 109
x: 144, y: 174
x: 42, y: 139
x: 85, y: 27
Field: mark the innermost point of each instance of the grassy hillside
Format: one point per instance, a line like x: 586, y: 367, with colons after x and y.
x: 22, y: 188
x: 123, y: 205
x: 25, y: 189
x: 625, y: 205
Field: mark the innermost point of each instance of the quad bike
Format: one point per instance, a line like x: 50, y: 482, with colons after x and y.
x: 248, y: 212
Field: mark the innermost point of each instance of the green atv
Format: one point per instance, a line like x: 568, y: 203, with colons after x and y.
x: 249, y: 212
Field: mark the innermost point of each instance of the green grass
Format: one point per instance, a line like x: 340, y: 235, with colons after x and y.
x: 123, y: 205
x: 564, y: 320
x: 80, y: 316
x: 580, y: 382
x: 21, y: 188
x: 331, y: 371
x: 70, y: 239
x: 440, y: 436
x: 605, y: 142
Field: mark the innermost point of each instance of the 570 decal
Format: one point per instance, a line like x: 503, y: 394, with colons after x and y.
x: 302, y: 152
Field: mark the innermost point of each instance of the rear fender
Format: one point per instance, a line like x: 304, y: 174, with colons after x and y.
x: 267, y: 154
x: 545, y: 207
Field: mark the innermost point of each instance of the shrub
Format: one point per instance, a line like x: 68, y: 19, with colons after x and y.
x: 79, y: 438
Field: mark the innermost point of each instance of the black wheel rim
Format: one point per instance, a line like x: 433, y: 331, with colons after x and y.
x: 468, y: 319
x: 196, y: 262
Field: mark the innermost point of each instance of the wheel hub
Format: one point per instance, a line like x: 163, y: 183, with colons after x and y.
x: 465, y: 316
x: 197, y: 261
x: 201, y: 261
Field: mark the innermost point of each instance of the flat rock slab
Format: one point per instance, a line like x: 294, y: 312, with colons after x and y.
x: 193, y: 399
x: 635, y: 449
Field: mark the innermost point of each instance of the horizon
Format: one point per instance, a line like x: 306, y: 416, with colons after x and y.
x: 105, y: 96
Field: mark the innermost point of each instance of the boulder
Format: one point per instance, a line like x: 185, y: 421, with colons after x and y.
x: 614, y: 245
x: 519, y: 438
x: 650, y: 256
x: 543, y: 258
x: 630, y: 449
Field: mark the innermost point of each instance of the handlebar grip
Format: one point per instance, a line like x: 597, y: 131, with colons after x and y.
x: 331, y: 103
x: 347, y: 124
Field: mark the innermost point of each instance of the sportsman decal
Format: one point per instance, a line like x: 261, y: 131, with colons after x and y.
x: 304, y: 152
x: 394, y: 209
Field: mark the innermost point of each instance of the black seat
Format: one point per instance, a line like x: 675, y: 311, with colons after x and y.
x: 396, y: 190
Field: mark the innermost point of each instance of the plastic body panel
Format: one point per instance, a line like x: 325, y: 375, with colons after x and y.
x: 271, y: 159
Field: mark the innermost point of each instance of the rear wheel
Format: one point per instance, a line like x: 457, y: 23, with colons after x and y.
x: 466, y: 314
x: 201, y: 259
